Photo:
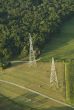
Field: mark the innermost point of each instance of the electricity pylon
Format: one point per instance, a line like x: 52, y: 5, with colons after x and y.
x: 53, y: 75
x: 31, y: 52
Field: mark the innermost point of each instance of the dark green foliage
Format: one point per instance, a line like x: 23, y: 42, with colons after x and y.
x: 5, y: 65
x: 18, y: 18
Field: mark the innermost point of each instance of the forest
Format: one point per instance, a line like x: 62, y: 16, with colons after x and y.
x: 40, y: 18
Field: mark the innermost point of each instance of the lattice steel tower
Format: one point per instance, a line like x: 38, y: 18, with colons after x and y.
x: 31, y: 52
x: 53, y: 75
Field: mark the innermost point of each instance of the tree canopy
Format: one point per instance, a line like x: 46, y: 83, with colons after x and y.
x: 18, y: 18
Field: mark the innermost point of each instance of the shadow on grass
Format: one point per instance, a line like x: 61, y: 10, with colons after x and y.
x: 16, y: 64
x: 59, y: 108
x: 19, y: 104
x: 58, y: 41
x: 8, y: 104
x: 62, y: 38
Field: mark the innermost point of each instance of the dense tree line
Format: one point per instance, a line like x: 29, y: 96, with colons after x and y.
x: 18, y: 18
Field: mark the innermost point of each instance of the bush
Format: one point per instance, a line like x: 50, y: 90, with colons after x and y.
x: 6, y: 65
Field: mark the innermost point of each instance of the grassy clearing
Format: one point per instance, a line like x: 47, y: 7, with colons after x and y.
x: 36, y: 78
x: 61, y: 45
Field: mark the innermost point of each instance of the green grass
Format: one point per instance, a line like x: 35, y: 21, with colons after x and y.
x: 70, y: 82
x: 37, y: 78
x: 31, y: 77
x: 61, y: 45
x: 67, y: 83
x: 8, y: 104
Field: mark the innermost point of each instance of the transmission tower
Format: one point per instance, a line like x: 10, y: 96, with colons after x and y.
x: 53, y: 75
x: 31, y: 52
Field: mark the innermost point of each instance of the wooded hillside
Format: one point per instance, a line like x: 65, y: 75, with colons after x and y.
x: 41, y: 18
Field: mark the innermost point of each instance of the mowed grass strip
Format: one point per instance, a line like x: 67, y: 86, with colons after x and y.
x: 70, y: 82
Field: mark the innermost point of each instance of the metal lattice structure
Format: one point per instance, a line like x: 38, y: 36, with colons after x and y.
x: 53, y: 75
x: 31, y: 52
